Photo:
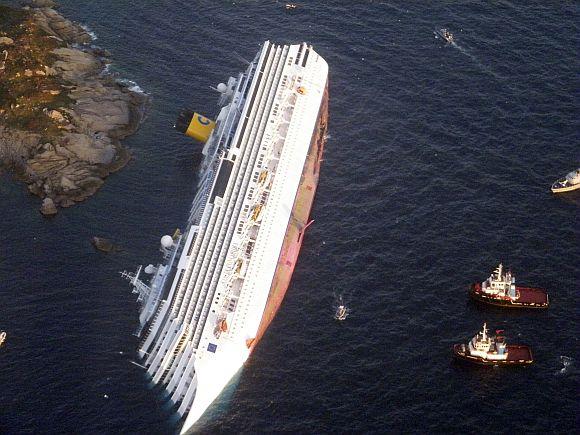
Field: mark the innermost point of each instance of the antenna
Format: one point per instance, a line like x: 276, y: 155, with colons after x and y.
x: 237, y: 56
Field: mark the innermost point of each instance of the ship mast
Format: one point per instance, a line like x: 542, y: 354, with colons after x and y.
x: 139, y: 287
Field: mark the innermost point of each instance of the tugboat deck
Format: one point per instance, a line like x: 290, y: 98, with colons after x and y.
x: 530, y: 295
x: 518, y: 353
x: 527, y: 297
x: 516, y: 356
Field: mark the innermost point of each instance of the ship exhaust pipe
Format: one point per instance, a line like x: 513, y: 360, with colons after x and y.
x: 194, y: 125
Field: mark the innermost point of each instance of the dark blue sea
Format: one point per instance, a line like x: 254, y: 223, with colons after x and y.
x: 438, y: 166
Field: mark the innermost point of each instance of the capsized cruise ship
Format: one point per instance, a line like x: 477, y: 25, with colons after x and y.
x: 225, y: 274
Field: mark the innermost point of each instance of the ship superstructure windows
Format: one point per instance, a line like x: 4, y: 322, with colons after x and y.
x: 240, y: 212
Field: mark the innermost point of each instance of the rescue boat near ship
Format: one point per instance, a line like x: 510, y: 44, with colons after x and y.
x: 486, y: 349
x: 500, y: 289
x: 568, y: 183
x: 223, y: 279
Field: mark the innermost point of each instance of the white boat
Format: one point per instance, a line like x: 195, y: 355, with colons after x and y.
x: 341, y: 313
x: 445, y: 34
x: 204, y: 310
x: 2, y: 337
x: 568, y: 183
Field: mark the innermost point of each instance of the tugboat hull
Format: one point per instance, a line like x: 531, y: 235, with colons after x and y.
x: 528, y: 298
x: 516, y: 356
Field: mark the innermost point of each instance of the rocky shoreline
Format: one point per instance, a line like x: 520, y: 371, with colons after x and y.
x: 62, y: 116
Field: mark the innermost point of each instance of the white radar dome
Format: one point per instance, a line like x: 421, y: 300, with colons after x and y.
x: 167, y: 241
x: 222, y: 87
x: 150, y: 269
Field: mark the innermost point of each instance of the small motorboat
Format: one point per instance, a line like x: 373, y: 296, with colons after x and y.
x: 341, y: 313
x: 500, y: 289
x: 568, y: 183
x: 446, y: 35
x: 2, y: 338
x: 485, y: 349
x: 291, y: 6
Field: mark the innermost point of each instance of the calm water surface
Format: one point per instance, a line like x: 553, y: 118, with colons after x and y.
x: 438, y: 166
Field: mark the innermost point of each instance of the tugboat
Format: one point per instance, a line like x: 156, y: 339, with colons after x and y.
x: 568, y: 183
x: 500, y: 289
x: 485, y: 349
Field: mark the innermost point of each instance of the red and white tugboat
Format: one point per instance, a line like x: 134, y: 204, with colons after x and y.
x: 485, y: 349
x: 500, y: 289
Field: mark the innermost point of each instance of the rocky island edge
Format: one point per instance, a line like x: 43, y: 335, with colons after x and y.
x: 62, y: 115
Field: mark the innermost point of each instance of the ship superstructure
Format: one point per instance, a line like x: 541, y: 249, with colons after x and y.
x: 226, y: 273
x: 500, y: 289
x: 486, y: 349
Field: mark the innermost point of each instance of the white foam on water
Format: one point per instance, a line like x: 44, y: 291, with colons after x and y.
x: 131, y: 85
x: 87, y: 29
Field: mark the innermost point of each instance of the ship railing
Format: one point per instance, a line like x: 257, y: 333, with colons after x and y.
x: 205, y: 263
x: 200, y: 311
x: 161, y: 304
x: 189, y: 292
x: 201, y: 307
x: 176, y: 351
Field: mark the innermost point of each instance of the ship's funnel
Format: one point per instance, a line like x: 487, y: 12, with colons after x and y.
x: 194, y: 125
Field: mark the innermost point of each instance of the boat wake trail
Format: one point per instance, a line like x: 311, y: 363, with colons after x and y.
x: 567, y: 363
x: 450, y: 41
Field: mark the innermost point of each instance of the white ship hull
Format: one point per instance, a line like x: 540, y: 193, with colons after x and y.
x: 231, y: 266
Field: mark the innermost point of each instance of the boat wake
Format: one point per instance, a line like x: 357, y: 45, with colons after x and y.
x: 567, y: 363
x: 449, y: 39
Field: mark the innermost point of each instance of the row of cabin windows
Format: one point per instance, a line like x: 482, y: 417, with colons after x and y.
x: 250, y: 248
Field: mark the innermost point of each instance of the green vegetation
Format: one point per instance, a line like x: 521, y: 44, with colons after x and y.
x: 10, y: 20
x: 28, y: 86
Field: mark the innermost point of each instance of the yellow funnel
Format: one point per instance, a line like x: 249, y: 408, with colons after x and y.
x: 200, y: 127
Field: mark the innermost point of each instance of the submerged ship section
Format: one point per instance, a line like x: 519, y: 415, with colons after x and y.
x: 204, y: 310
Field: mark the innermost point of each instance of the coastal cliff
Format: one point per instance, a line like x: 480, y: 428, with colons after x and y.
x: 61, y: 114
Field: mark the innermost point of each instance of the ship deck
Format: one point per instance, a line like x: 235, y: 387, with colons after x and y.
x: 530, y: 295
x: 519, y: 353
x: 516, y: 355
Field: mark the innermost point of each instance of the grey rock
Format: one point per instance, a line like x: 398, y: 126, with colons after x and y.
x: 104, y: 245
x: 48, y: 207
x: 56, y: 25
x: 5, y: 40
x: 72, y: 167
